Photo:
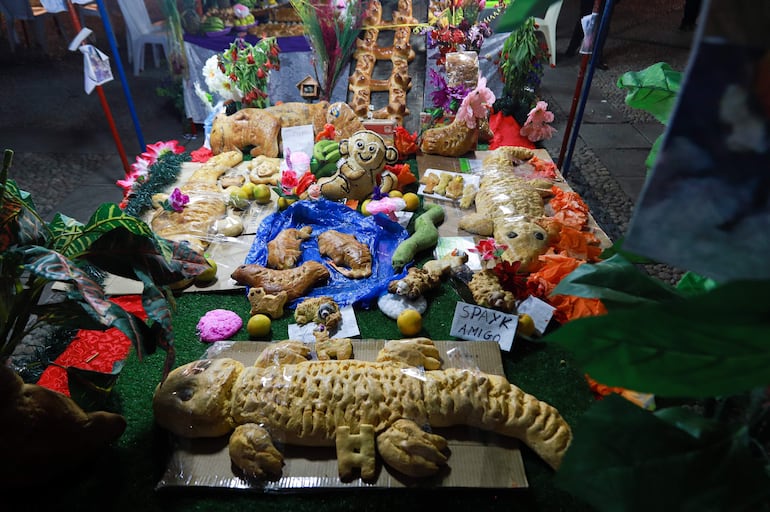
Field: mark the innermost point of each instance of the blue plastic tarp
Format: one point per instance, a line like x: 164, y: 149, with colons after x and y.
x: 378, y: 232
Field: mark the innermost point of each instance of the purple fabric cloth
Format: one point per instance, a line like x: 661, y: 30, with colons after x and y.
x: 222, y: 43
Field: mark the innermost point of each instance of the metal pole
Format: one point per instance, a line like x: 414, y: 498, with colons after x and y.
x: 121, y: 72
x: 582, y: 88
x: 102, y: 98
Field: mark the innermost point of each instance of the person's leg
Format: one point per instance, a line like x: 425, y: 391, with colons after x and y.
x: 690, y: 15
x: 586, y: 7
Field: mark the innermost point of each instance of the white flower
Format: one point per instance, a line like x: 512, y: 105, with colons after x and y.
x: 217, y: 83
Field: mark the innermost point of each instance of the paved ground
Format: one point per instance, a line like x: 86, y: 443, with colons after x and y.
x: 66, y: 155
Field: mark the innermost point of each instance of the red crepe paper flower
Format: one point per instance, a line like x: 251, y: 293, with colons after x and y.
x: 201, y: 155
x: 569, y: 208
x: 511, y: 280
x: 305, y: 181
x: 403, y: 173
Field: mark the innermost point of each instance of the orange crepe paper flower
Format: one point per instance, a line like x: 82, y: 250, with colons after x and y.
x: 403, y: 173
x: 569, y: 208
x: 582, y: 245
x: 568, y: 307
x: 328, y: 133
x: 406, y: 143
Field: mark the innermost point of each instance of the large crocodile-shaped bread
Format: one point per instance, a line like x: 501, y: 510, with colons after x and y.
x: 511, y: 208
x: 207, y: 204
x: 311, y: 403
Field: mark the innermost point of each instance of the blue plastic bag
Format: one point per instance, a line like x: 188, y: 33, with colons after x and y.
x: 378, y: 232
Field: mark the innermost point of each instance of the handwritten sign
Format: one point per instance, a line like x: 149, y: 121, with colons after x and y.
x: 474, y: 323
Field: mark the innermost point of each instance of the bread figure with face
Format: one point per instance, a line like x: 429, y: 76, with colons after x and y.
x: 366, y: 155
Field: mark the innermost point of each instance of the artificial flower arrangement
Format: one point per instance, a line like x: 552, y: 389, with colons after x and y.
x: 538, y: 127
x: 151, y: 172
x: 455, y: 25
x: 522, y: 62
x: 331, y: 27
x: 238, y: 76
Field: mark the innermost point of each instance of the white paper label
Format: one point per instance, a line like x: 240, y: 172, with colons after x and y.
x: 472, y: 322
x: 348, y: 328
x: 540, y: 311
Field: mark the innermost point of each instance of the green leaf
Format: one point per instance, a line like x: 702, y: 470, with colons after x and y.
x: 653, y: 89
x: 616, y: 282
x: 624, y: 458
x: 52, y: 266
x: 652, y: 157
x: 91, y: 389
x: 64, y: 230
x: 107, y: 218
x: 120, y: 252
x: 695, y: 284
x: 713, y: 344
x: 617, y: 248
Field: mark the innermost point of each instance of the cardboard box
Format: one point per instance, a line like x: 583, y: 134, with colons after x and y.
x: 385, y: 127
x: 477, y: 459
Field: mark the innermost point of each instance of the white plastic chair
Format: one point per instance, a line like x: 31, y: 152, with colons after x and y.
x: 547, y: 25
x: 141, y: 31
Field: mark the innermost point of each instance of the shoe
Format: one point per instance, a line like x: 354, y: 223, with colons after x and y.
x: 603, y: 66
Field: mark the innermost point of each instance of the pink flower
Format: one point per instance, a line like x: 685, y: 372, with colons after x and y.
x: 314, y: 191
x: 476, y: 104
x: 489, y: 249
x: 536, y: 126
x: 289, y: 181
x: 155, y: 151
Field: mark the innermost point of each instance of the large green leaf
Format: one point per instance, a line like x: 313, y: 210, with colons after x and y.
x: 713, y: 344
x: 624, y: 458
x: 107, y: 218
x: 616, y: 282
x: 64, y: 230
x: 52, y: 266
x: 90, y: 389
x: 121, y: 252
x: 653, y: 89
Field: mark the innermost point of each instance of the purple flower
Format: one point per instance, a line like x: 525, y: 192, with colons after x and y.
x: 176, y: 201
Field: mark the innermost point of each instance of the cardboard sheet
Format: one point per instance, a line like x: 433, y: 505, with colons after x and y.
x: 477, y: 459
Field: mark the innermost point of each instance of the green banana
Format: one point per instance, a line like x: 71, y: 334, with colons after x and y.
x: 332, y: 156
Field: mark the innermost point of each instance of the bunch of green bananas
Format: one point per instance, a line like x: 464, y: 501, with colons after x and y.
x: 324, y: 161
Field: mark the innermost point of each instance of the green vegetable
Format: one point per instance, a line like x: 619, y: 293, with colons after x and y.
x: 424, y: 237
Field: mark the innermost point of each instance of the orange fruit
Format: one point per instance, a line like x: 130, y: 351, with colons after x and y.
x: 409, y: 322
x: 258, y: 326
x: 412, y: 201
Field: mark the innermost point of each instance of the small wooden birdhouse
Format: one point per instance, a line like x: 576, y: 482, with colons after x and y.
x: 309, y: 88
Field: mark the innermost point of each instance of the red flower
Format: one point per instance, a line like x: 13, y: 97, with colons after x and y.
x: 260, y: 73
x: 510, y: 279
x: 250, y: 59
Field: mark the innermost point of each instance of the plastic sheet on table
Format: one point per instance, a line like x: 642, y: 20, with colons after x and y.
x: 381, y: 235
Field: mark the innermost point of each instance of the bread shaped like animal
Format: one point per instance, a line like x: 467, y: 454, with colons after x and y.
x: 294, y: 281
x: 207, y: 204
x: 283, y: 251
x: 305, y: 403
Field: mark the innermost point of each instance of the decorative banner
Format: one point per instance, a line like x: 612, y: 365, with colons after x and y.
x: 474, y: 323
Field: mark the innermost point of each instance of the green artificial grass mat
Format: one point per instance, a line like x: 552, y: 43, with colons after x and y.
x: 124, y: 477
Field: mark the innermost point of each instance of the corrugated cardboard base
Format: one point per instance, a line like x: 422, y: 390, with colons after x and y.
x: 476, y: 459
